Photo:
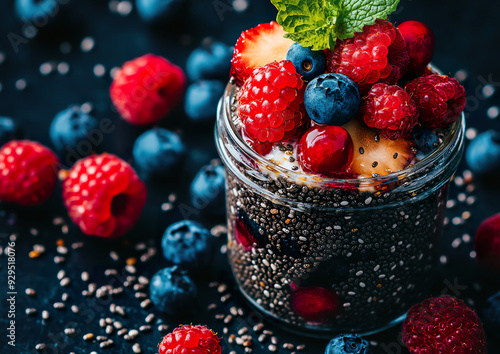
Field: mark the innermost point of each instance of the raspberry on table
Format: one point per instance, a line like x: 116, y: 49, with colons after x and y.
x: 28, y: 172
x: 103, y: 195
x: 390, y: 109
x: 270, y: 102
x: 378, y: 54
x: 443, y: 324
x: 191, y: 339
x: 147, y: 88
x: 439, y: 98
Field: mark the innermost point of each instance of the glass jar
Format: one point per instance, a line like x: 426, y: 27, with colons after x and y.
x: 326, y: 256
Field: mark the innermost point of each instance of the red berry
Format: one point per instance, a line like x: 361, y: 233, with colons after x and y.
x: 257, y: 47
x: 325, y: 150
x: 378, y: 54
x: 420, y: 43
x: 147, y: 88
x: 443, y: 325
x: 28, y: 172
x: 487, y: 242
x: 270, y: 102
x: 103, y: 195
x: 390, y: 109
x: 261, y: 148
x: 189, y: 339
x: 314, y: 304
x: 439, y: 98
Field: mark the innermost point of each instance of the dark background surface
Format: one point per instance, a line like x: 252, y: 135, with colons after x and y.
x: 468, y: 38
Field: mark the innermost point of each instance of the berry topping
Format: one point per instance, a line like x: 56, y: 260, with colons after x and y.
x: 440, y: 100
x: 190, y: 339
x: 331, y: 99
x: 483, y: 153
x: 257, y: 47
x: 426, y: 140
x: 259, y: 147
x: 210, y: 61
x: 270, y: 102
x: 325, y: 150
x: 187, y: 244
x: 202, y: 99
x: 390, y: 109
x: 72, y: 130
x: 308, y: 63
x: 314, y: 304
x: 375, y: 155
x: 158, y: 153
x: 378, y: 54
x: 158, y: 11
x: 443, y: 324
x: 347, y: 344
x: 28, y: 172
x: 9, y: 130
x: 208, y: 189
x: 420, y: 43
x: 487, y: 242
x: 145, y: 89
x: 103, y: 195
x: 172, y: 291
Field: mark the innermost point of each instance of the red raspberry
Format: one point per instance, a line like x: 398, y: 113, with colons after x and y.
x: 147, y: 88
x: 270, y: 102
x: 390, y: 109
x: 189, y: 339
x: 260, y: 148
x: 443, y: 325
x: 315, y: 304
x: 487, y: 243
x: 378, y: 54
x: 439, y: 98
x: 28, y: 172
x: 103, y: 195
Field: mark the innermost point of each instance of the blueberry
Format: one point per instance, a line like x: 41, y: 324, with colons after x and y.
x: 426, y: 140
x: 172, y: 291
x: 69, y: 128
x: 202, y: 99
x: 36, y: 10
x: 347, y: 344
x: 308, y: 63
x: 156, y: 11
x: 9, y: 130
x: 208, y: 189
x: 483, y: 153
x: 187, y: 244
x: 492, y: 313
x: 210, y: 61
x: 158, y: 153
x: 331, y: 99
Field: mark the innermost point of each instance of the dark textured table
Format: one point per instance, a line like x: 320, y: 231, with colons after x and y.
x: 467, y: 36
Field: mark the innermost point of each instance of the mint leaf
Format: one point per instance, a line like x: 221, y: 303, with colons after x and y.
x: 318, y: 24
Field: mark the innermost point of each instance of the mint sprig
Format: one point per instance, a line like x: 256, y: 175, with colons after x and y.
x: 319, y: 23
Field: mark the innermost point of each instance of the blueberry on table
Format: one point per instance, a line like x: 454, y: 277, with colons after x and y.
x: 71, y: 130
x: 158, y: 153
x: 331, y: 99
x: 172, y: 291
x: 347, y: 344
x: 187, y: 244
x: 202, y: 99
x: 483, y: 153
x: 9, y: 129
x: 208, y: 189
x: 492, y: 314
x: 31, y: 10
x: 308, y: 63
x: 156, y: 11
x: 210, y: 61
x: 426, y: 140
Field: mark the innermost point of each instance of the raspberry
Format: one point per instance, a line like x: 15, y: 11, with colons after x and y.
x: 28, y: 172
x: 190, y: 339
x: 147, y: 88
x: 103, y: 195
x: 487, y: 243
x: 390, y: 109
x: 270, y: 102
x: 439, y: 98
x: 443, y: 325
x: 315, y: 304
x: 378, y: 54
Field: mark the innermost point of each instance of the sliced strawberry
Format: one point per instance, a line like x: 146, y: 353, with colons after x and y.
x: 257, y: 47
x: 376, y: 155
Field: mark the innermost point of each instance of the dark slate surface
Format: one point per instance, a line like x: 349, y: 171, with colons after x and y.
x: 467, y: 36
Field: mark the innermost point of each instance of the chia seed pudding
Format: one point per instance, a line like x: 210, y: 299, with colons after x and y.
x: 325, y: 255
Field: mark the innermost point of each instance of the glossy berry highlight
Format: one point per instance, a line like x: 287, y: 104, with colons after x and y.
x: 420, y: 43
